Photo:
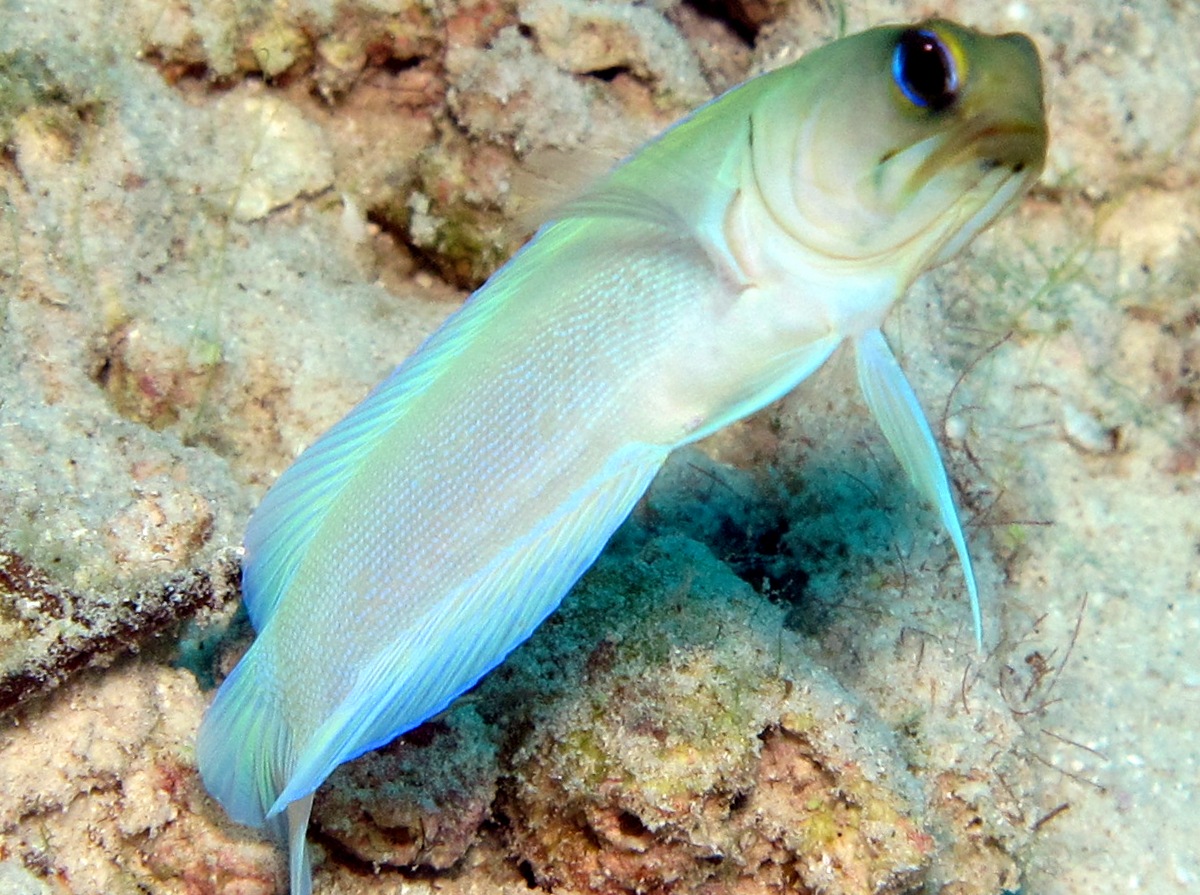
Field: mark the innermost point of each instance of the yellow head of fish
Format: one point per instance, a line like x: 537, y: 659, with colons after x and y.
x: 913, y: 139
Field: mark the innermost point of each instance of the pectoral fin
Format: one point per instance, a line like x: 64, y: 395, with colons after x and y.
x: 894, y: 405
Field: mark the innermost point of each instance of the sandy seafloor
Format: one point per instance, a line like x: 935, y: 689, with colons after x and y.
x: 222, y: 222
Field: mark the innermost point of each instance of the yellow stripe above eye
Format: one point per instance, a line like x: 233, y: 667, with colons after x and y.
x: 954, y: 45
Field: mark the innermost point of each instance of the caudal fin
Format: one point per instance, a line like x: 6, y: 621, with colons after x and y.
x: 245, y: 754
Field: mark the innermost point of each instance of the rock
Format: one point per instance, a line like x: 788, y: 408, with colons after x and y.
x: 418, y: 802
x: 704, y: 750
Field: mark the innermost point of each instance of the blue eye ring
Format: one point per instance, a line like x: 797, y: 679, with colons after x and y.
x: 925, y: 69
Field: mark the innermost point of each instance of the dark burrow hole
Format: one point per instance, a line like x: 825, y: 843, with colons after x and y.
x: 527, y: 874
x: 631, y: 825
x: 610, y: 74
x: 745, y: 18
x: 394, y: 65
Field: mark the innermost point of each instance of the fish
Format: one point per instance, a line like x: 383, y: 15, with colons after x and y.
x: 429, y: 532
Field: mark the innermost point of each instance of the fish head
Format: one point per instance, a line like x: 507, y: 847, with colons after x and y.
x: 893, y: 148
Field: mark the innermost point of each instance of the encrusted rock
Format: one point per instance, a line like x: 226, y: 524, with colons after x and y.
x: 706, y: 751
x: 417, y: 802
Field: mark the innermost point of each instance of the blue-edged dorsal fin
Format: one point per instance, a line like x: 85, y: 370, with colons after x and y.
x: 894, y: 405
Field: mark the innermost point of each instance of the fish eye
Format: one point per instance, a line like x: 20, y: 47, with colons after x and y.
x: 924, y: 69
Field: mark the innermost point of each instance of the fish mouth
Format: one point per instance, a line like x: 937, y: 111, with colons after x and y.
x: 1016, y: 146
x: 989, y: 167
x: 997, y: 189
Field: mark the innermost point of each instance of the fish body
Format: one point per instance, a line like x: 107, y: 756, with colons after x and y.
x: 428, y: 533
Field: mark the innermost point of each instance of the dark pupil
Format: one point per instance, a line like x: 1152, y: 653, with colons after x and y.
x: 923, y: 69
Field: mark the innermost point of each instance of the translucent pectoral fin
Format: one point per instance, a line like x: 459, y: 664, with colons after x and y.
x: 894, y: 405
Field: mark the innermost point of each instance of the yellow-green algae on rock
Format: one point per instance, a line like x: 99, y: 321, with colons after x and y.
x: 705, y: 749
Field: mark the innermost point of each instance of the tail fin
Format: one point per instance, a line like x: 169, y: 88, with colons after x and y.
x: 245, y: 753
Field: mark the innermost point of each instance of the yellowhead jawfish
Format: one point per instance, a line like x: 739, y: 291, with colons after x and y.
x: 428, y: 533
